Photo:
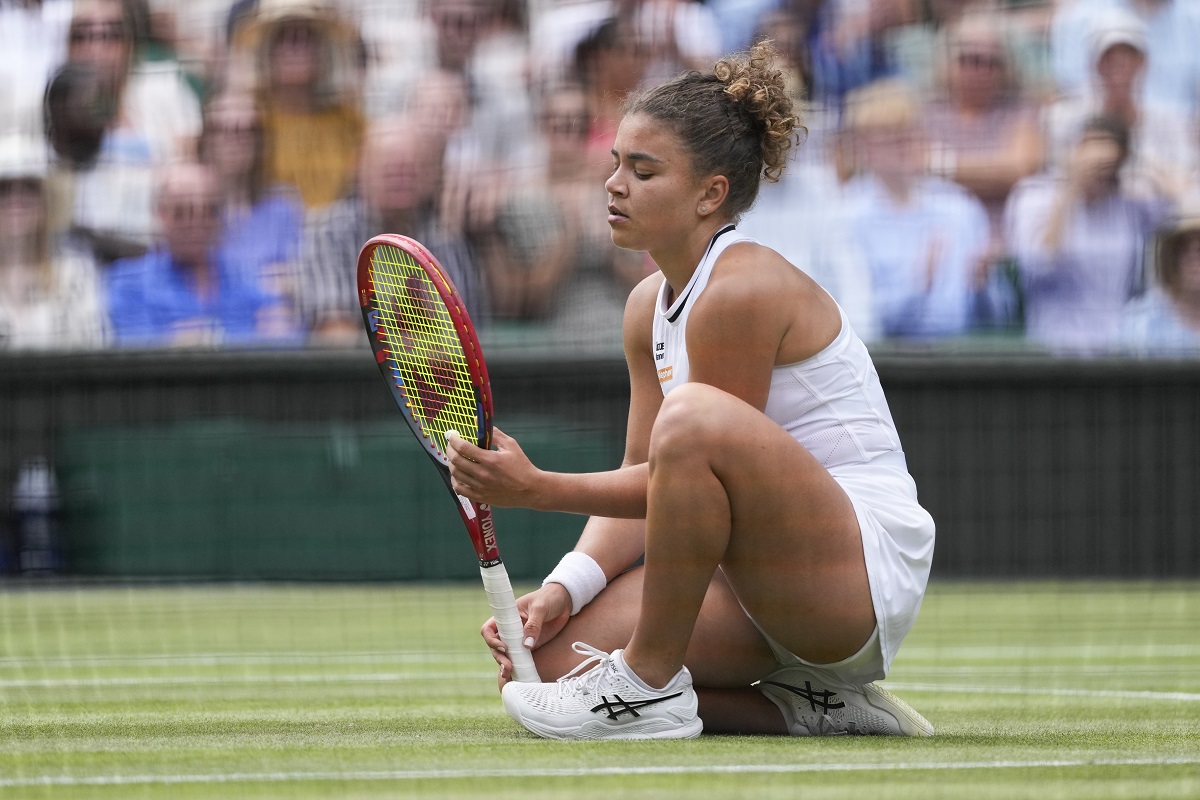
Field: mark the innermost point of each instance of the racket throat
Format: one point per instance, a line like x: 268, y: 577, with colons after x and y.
x: 468, y: 506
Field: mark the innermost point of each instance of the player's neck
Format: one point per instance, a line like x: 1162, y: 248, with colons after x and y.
x: 678, y: 261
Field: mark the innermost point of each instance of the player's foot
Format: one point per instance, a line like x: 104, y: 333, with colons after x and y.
x: 603, y: 699
x: 816, y: 704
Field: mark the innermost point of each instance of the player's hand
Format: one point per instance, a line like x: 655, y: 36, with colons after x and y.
x: 545, y: 613
x: 503, y: 477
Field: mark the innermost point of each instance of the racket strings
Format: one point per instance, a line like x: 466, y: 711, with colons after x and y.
x: 425, y: 354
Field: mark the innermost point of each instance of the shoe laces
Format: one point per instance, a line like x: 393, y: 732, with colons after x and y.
x: 585, y: 678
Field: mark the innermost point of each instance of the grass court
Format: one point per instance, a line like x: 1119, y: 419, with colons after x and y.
x: 1040, y: 690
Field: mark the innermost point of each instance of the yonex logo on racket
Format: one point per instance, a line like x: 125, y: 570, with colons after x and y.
x: 489, y: 528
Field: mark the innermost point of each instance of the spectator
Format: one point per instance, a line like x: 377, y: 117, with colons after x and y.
x: 49, y: 294
x: 33, y: 45
x: 79, y: 107
x: 678, y: 35
x: 1078, y: 238
x: 803, y: 215
x: 1161, y: 146
x: 557, y: 264
x: 805, y: 219
x: 740, y: 21
x: 186, y: 291
x: 1166, y: 320
x: 483, y: 63
x: 260, y: 223
x: 400, y: 185
x: 984, y: 134
x: 156, y: 106
x: 150, y: 116
x: 914, y: 47
x: 307, y: 65
x: 103, y: 174
x: 789, y: 32
x: 848, y: 41
x: 610, y: 63
x: 924, y: 238
x: 1172, y: 30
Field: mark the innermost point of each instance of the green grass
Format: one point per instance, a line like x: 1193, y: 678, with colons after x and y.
x: 1046, y: 690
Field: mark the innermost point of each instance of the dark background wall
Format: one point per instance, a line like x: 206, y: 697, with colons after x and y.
x: 295, y: 465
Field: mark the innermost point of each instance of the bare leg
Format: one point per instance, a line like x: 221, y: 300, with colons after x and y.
x: 729, y: 488
x: 745, y: 712
x: 726, y: 652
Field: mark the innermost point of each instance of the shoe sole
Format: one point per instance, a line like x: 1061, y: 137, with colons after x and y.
x: 911, y: 723
x: 597, y: 731
x: 594, y: 730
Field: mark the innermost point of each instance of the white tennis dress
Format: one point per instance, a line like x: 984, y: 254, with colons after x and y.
x: 833, y: 404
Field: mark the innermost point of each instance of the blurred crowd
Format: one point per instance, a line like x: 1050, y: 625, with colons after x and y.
x: 204, y: 173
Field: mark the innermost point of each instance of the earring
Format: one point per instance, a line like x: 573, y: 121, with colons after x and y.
x: 703, y: 209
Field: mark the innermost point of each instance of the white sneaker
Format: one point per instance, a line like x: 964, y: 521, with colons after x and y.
x: 816, y: 704
x: 605, y: 701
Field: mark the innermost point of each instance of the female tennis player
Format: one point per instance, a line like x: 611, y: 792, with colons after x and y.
x: 785, y: 553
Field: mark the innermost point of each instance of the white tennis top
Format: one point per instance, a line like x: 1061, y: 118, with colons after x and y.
x: 833, y: 404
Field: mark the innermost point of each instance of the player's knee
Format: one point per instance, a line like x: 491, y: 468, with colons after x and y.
x: 688, y: 421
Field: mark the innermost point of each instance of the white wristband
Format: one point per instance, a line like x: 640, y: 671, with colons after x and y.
x: 581, y: 576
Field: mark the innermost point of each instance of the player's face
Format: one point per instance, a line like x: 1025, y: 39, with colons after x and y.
x: 652, y: 192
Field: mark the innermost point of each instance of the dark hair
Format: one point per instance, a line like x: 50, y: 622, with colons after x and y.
x: 75, y: 129
x: 737, y: 121
x: 610, y: 35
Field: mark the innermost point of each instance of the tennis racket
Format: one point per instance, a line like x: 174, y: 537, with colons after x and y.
x: 429, y: 354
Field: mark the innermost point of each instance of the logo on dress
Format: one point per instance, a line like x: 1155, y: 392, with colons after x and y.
x: 665, y: 374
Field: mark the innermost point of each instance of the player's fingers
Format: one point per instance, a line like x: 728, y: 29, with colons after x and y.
x: 533, y: 625
x: 491, y: 636
x: 462, y: 488
x: 461, y: 447
x: 504, y: 677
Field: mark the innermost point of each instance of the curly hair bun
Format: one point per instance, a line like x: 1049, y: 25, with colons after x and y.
x: 758, y: 87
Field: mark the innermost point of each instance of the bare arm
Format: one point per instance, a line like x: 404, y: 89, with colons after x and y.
x: 758, y: 311
x: 993, y: 175
x: 613, y: 543
x: 505, y: 477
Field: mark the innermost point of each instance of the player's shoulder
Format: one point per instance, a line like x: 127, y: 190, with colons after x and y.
x: 751, y: 279
x: 644, y: 295
x: 640, y: 305
x: 748, y: 267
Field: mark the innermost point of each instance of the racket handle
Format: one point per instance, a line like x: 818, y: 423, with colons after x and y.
x: 508, y: 621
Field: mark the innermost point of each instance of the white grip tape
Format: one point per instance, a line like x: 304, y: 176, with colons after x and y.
x: 508, y: 621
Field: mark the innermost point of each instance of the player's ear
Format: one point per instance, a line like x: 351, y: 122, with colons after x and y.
x: 715, y: 190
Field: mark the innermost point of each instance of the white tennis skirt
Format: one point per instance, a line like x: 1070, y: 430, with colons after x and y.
x: 897, y: 536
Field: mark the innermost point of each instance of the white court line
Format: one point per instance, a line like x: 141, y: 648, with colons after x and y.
x: 201, y: 680
x: 576, y: 772
x: 211, y: 659
x: 913, y: 655
x: 991, y: 652
x: 1122, y: 694
x: 398, y: 677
